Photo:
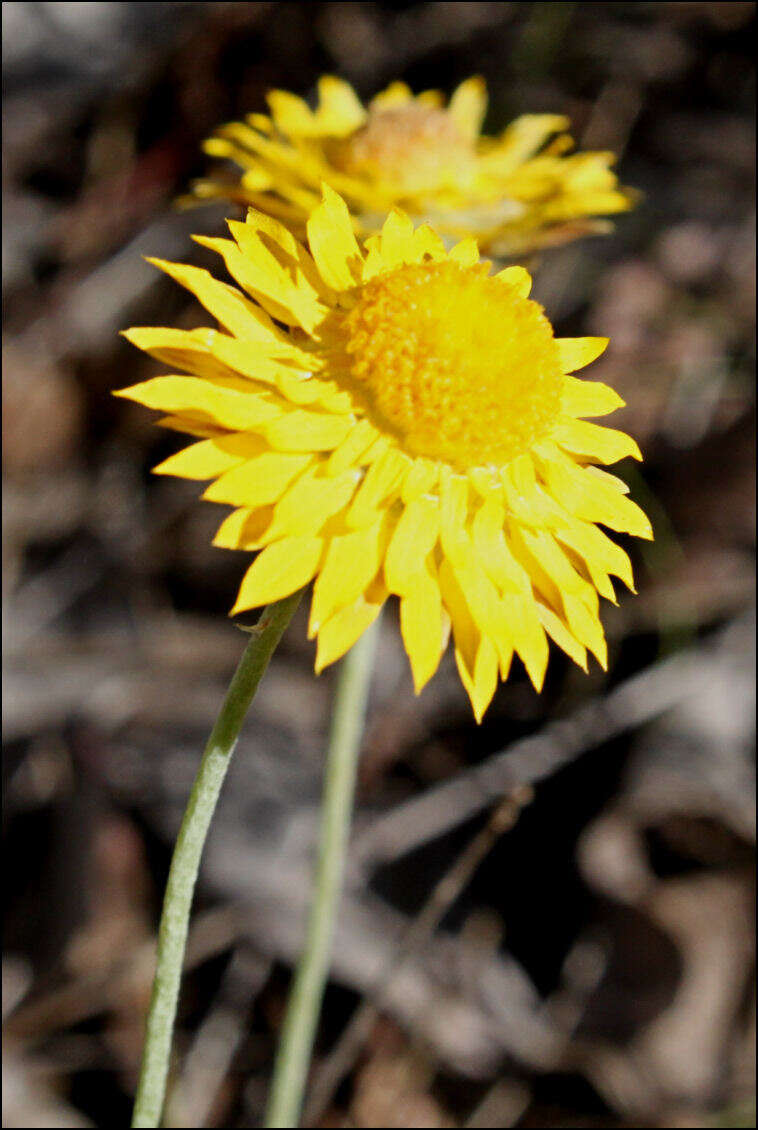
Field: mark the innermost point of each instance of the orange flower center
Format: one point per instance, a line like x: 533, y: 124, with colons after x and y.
x: 415, y: 148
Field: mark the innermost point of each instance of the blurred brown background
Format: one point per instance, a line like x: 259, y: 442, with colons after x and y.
x: 588, y: 959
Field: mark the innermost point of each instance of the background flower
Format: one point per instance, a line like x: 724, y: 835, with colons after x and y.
x: 518, y: 191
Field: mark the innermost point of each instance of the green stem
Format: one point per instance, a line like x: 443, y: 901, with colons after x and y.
x: 172, y: 934
x: 299, y: 1028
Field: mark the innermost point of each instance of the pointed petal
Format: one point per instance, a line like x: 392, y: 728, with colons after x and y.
x: 576, y: 352
x: 333, y: 243
x: 278, y: 571
x: 468, y: 106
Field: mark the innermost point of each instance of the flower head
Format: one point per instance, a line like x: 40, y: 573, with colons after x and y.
x: 399, y: 420
x: 514, y: 192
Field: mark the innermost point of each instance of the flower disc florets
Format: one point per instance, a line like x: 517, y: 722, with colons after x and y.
x: 455, y: 363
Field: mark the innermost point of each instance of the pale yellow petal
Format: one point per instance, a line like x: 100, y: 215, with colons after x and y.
x: 340, y: 109
x: 396, y: 94
x: 291, y: 114
x: 468, y: 106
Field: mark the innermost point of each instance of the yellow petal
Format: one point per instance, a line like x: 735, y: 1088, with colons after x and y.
x: 235, y: 408
x: 191, y: 427
x: 291, y: 114
x: 351, y: 562
x: 587, y: 628
x: 353, y: 446
x: 453, y: 514
x: 598, y: 551
x: 244, y: 528
x: 587, y: 496
x: 189, y: 350
x: 518, y: 278
x: 396, y: 240
x: 592, y: 441
x: 413, y: 539
x: 576, y: 352
x: 258, y: 481
x: 588, y: 398
x: 465, y: 631
x: 485, y: 604
x: 233, y: 310
x: 332, y: 242
x: 310, y: 502
x: 492, y: 549
x: 340, y: 110
x: 468, y: 106
x: 546, y: 552
x: 340, y: 632
x: 525, y: 499
x: 381, y: 481
x: 396, y: 94
x: 558, y: 631
x: 465, y: 253
x: 278, y: 571
x: 482, y: 684
x: 421, y: 478
x: 422, y: 625
x: 528, y: 636
x: 259, y: 273
x: 308, y: 431
x: 210, y: 457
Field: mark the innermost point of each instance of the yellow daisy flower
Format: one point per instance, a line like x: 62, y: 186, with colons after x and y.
x: 513, y: 192
x: 398, y: 420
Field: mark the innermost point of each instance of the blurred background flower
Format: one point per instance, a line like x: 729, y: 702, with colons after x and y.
x: 585, y: 956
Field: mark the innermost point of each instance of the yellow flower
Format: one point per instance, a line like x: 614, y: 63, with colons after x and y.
x: 513, y: 192
x: 397, y: 420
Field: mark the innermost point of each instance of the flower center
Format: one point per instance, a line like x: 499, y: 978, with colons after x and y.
x: 417, y: 148
x: 454, y: 363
